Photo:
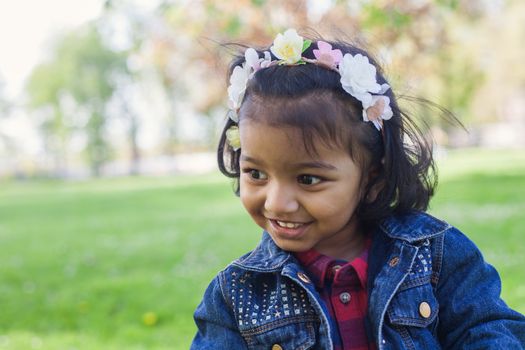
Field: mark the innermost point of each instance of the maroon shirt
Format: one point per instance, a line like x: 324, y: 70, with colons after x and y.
x: 342, y: 286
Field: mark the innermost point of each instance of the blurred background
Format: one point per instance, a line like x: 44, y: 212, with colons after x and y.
x: 109, y: 115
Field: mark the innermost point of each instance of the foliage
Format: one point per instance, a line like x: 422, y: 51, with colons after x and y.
x: 122, y: 263
x: 82, y: 68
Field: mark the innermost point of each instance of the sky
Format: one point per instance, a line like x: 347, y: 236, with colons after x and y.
x: 26, y: 29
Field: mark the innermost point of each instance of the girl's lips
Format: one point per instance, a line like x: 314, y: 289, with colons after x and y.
x: 289, y: 232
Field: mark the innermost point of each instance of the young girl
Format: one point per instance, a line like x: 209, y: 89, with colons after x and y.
x: 338, y: 178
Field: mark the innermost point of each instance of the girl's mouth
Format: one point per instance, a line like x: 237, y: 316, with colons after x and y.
x: 288, y: 229
x: 288, y: 224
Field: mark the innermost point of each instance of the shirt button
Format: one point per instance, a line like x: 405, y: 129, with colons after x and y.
x: 303, y: 277
x: 336, y: 268
x: 345, y: 297
x: 424, y: 310
x: 277, y: 347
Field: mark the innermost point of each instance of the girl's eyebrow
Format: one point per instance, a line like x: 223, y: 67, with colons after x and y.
x: 316, y: 165
x: 249, y: 159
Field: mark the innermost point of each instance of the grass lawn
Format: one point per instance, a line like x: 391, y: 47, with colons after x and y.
x: 122, y: 263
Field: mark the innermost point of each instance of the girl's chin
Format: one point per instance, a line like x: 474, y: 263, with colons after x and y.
x: 293, y: 246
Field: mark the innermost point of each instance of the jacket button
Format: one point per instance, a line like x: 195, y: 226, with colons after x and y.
x: 277, y: 347
x: 424, y: 310
x: 303, y: 277
x: 394, y: 261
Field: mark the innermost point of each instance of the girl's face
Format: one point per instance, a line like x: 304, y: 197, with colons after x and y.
x: 303, y: 201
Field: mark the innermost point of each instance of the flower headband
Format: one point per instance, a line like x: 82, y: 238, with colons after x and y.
x: 358, y: 76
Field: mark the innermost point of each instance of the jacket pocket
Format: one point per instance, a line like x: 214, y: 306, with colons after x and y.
x: 296, y: 334
x: 415, y: 306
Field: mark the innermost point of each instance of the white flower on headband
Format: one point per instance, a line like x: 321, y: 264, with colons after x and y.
x: 358, y: 77
x: 254, y: 61
x: 238, y: 81
x: 288, y: 47
x: 241, y: 75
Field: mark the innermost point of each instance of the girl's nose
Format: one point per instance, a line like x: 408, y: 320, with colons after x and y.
x: 280, y: 200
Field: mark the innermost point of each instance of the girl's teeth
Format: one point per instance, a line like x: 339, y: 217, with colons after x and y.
x: 288, y: 224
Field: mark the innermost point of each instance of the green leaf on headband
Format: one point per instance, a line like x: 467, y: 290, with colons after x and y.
x: 306, y: 44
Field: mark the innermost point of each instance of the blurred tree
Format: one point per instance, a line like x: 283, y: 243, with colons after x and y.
x: 5, y: 107
x: 83, y: 69
x: 120, y: 20
x: 45, y: 91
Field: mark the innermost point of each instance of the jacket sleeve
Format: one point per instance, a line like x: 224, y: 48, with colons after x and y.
x: 472, y: 315
x: 216, y: 326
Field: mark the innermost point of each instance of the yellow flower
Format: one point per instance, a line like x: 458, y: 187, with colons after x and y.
x: 233, y: 137
x: 150, y: 319
x: 288, y: 47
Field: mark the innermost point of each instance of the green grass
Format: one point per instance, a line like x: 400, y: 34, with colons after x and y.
x: 82, y: 263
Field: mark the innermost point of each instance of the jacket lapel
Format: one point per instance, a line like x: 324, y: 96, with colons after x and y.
x: 389, y: 264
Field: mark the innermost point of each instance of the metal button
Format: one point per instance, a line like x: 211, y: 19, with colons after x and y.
x: 394, y: 261
x: 303, y: 277
x: 424, y: 310
x: 277, y: 347
x: 345, y: 297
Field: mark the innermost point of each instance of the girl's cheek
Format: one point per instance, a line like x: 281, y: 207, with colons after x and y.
x: 247, y: 196
x: 253, y: 202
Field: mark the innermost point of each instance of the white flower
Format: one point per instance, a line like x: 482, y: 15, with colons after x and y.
x: 256, y: 63
x: 288, y: 47
x: 238, y: 81
x: 241, y: 75
x: 252, y: 59
x: 358, y: 77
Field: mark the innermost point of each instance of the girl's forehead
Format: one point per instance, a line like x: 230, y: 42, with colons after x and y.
x: 260, y: 138
x: 281, y: 150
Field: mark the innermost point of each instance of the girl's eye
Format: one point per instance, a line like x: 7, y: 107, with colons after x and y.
x: 256, y: 174
x: 308, y: 179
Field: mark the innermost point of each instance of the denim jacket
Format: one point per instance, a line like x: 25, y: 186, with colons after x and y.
x: 428, y: 288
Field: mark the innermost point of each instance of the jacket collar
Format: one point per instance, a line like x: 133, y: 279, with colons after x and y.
x: 413, y: 227
x: 266, y: 257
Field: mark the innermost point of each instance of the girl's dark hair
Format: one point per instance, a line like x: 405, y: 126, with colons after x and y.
x: 398, y: 160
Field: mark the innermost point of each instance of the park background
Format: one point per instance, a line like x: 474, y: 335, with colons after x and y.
x: 113, y: 217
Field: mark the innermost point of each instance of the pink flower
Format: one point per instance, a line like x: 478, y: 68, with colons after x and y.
x: 378, y: 111
x: 325, y: 55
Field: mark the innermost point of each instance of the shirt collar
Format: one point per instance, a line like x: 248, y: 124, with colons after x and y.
x: 320, y: 267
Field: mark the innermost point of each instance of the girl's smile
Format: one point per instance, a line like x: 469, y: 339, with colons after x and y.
x: 303, y: 200
x: 290, y: 230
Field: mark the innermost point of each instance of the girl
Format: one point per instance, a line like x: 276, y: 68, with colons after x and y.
x: 338, y: 178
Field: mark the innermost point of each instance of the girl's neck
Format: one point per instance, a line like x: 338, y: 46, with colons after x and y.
x: 348, y: 245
